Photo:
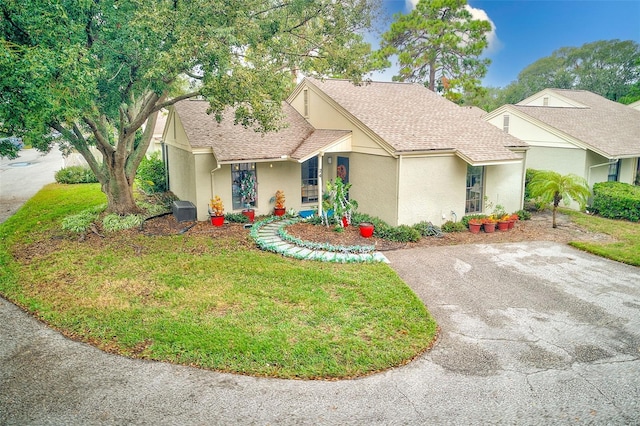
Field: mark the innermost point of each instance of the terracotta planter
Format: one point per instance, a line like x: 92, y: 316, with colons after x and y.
x: 503, y: 225
x: 512, y: 224
x: 489, y: 227
x: 217, y: 220
x: 279, y: 212
x: 474, y: 228
x: 366, y: 229
x: 250, y: 213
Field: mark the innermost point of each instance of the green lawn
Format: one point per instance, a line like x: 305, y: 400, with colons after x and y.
x: 216, y: 304
x: 627, y: 247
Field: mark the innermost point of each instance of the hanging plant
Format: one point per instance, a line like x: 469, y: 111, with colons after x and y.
x: 248, y: 189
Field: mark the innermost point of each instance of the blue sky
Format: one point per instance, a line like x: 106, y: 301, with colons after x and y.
x: 528, y: 30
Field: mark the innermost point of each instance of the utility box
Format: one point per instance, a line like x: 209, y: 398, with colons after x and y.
x: 184, y: 211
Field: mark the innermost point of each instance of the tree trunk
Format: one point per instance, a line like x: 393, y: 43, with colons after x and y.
x: 119, y: 192
x: 554, y: 217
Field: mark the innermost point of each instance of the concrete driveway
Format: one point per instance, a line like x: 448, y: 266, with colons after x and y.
x: 532, y: 333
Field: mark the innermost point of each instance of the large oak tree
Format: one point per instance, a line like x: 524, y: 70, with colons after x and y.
x: 94, y: 71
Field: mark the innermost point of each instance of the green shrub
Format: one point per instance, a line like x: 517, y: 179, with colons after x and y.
x: 523, y: 214
x: 150, y: 176
x: 114, y: 222
x: 236, y: 217
x: 75, y: 174
x: 451, y: 226
x: 617, y: 200
x: 426, y: 229
x: 465, y: 219
x: 80, y: 222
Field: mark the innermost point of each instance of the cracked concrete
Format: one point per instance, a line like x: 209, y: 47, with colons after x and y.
x: 535, y: 333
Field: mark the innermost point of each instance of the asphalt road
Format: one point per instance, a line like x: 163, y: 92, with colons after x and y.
x: 22, y: 177
x: 532, y: 333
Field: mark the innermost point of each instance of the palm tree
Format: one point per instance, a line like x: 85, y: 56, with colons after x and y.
x: 551, y: 186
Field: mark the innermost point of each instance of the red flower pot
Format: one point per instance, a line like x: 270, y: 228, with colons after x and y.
x: 279, y: 212
x: 474, y: 228
x: 503, y: 225
x: 250, y: 213
x: 489, y: 227
x: 366, y: 229
x: 512, y: 224
x: 217, y: 220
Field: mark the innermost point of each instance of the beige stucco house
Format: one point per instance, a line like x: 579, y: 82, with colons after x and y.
x: 410, y: 154
x: 576, y: 131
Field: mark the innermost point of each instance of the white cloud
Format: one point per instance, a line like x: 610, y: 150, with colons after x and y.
x: 494, y: 43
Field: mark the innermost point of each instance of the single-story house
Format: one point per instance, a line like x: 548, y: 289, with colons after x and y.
x: 576, y: 131
x: 409, y: 154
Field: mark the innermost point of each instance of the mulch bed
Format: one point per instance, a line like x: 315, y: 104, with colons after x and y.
x: 538, y: 228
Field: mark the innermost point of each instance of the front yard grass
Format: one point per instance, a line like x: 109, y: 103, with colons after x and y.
x: 214, y: 304
x: 627, y: 247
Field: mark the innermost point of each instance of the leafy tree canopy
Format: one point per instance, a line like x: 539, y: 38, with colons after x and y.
x: 439, y: 44
x: 610, y: 68
x: 94, y: 71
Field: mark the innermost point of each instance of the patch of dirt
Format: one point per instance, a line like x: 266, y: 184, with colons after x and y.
x: 235, y: 235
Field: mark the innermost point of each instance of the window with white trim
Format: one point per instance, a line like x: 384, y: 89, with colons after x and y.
x: 240, y: 171
x: 309, y: 171
x: 505, y: 123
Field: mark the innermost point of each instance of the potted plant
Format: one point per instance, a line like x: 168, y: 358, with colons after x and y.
x: 489, y: 224
x: 474, y: 225
x: 248, y: 194
x: 366, y: 229
x: 279, y: 209
x: 338, y: 201
x: 503, y: 222
x: 216, y: 211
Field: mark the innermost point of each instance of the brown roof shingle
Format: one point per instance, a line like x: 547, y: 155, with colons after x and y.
x: 605, y: 126
x: 409, y: 117
x: 231, y: 142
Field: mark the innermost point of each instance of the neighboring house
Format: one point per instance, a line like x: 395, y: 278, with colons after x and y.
x: 576, y: 131
x: 410, y: 154
x: 635, y: 105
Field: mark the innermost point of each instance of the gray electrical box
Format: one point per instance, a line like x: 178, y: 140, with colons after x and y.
x: 184, y: 211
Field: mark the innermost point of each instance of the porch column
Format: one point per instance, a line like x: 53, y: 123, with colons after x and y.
x: 320, y: 186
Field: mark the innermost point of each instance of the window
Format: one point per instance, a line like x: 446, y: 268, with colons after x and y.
x: 310, y: 180
x: 545, y: 101
x: 475, y: 189
x: 240, y: 171
x: 614, y: 171
x: 637, y: 180
x: 505, y: 123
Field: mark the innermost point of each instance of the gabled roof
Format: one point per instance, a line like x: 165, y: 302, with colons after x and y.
x: 606, y: 127
x: 410, y: 118
x: 235, y: 143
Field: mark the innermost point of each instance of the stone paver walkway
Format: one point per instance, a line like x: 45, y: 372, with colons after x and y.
x: 267, y: 236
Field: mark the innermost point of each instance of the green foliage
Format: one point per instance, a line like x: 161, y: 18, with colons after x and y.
x: 427, y: 229
x: 81, y: 222
x: 210, y: 303
x: 236, y: 218
x: 617, y: 200
x: 552, y: 187
x: 75, y: 174
x: 450, y: 226
x: 113, y: 222
x: 151, y: 177
x: 465, y: 219
x: 337, y: 200
x: 438, y: 44
x: 609, y: 68
x: 523, y: 214
x: 96, y: 73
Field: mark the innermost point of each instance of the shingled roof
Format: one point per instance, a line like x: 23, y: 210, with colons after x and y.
x: 235, y: 143
x: 607, y: 127
x: 411, y: 118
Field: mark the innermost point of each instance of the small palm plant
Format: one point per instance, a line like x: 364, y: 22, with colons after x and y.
x: 552, y: 187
